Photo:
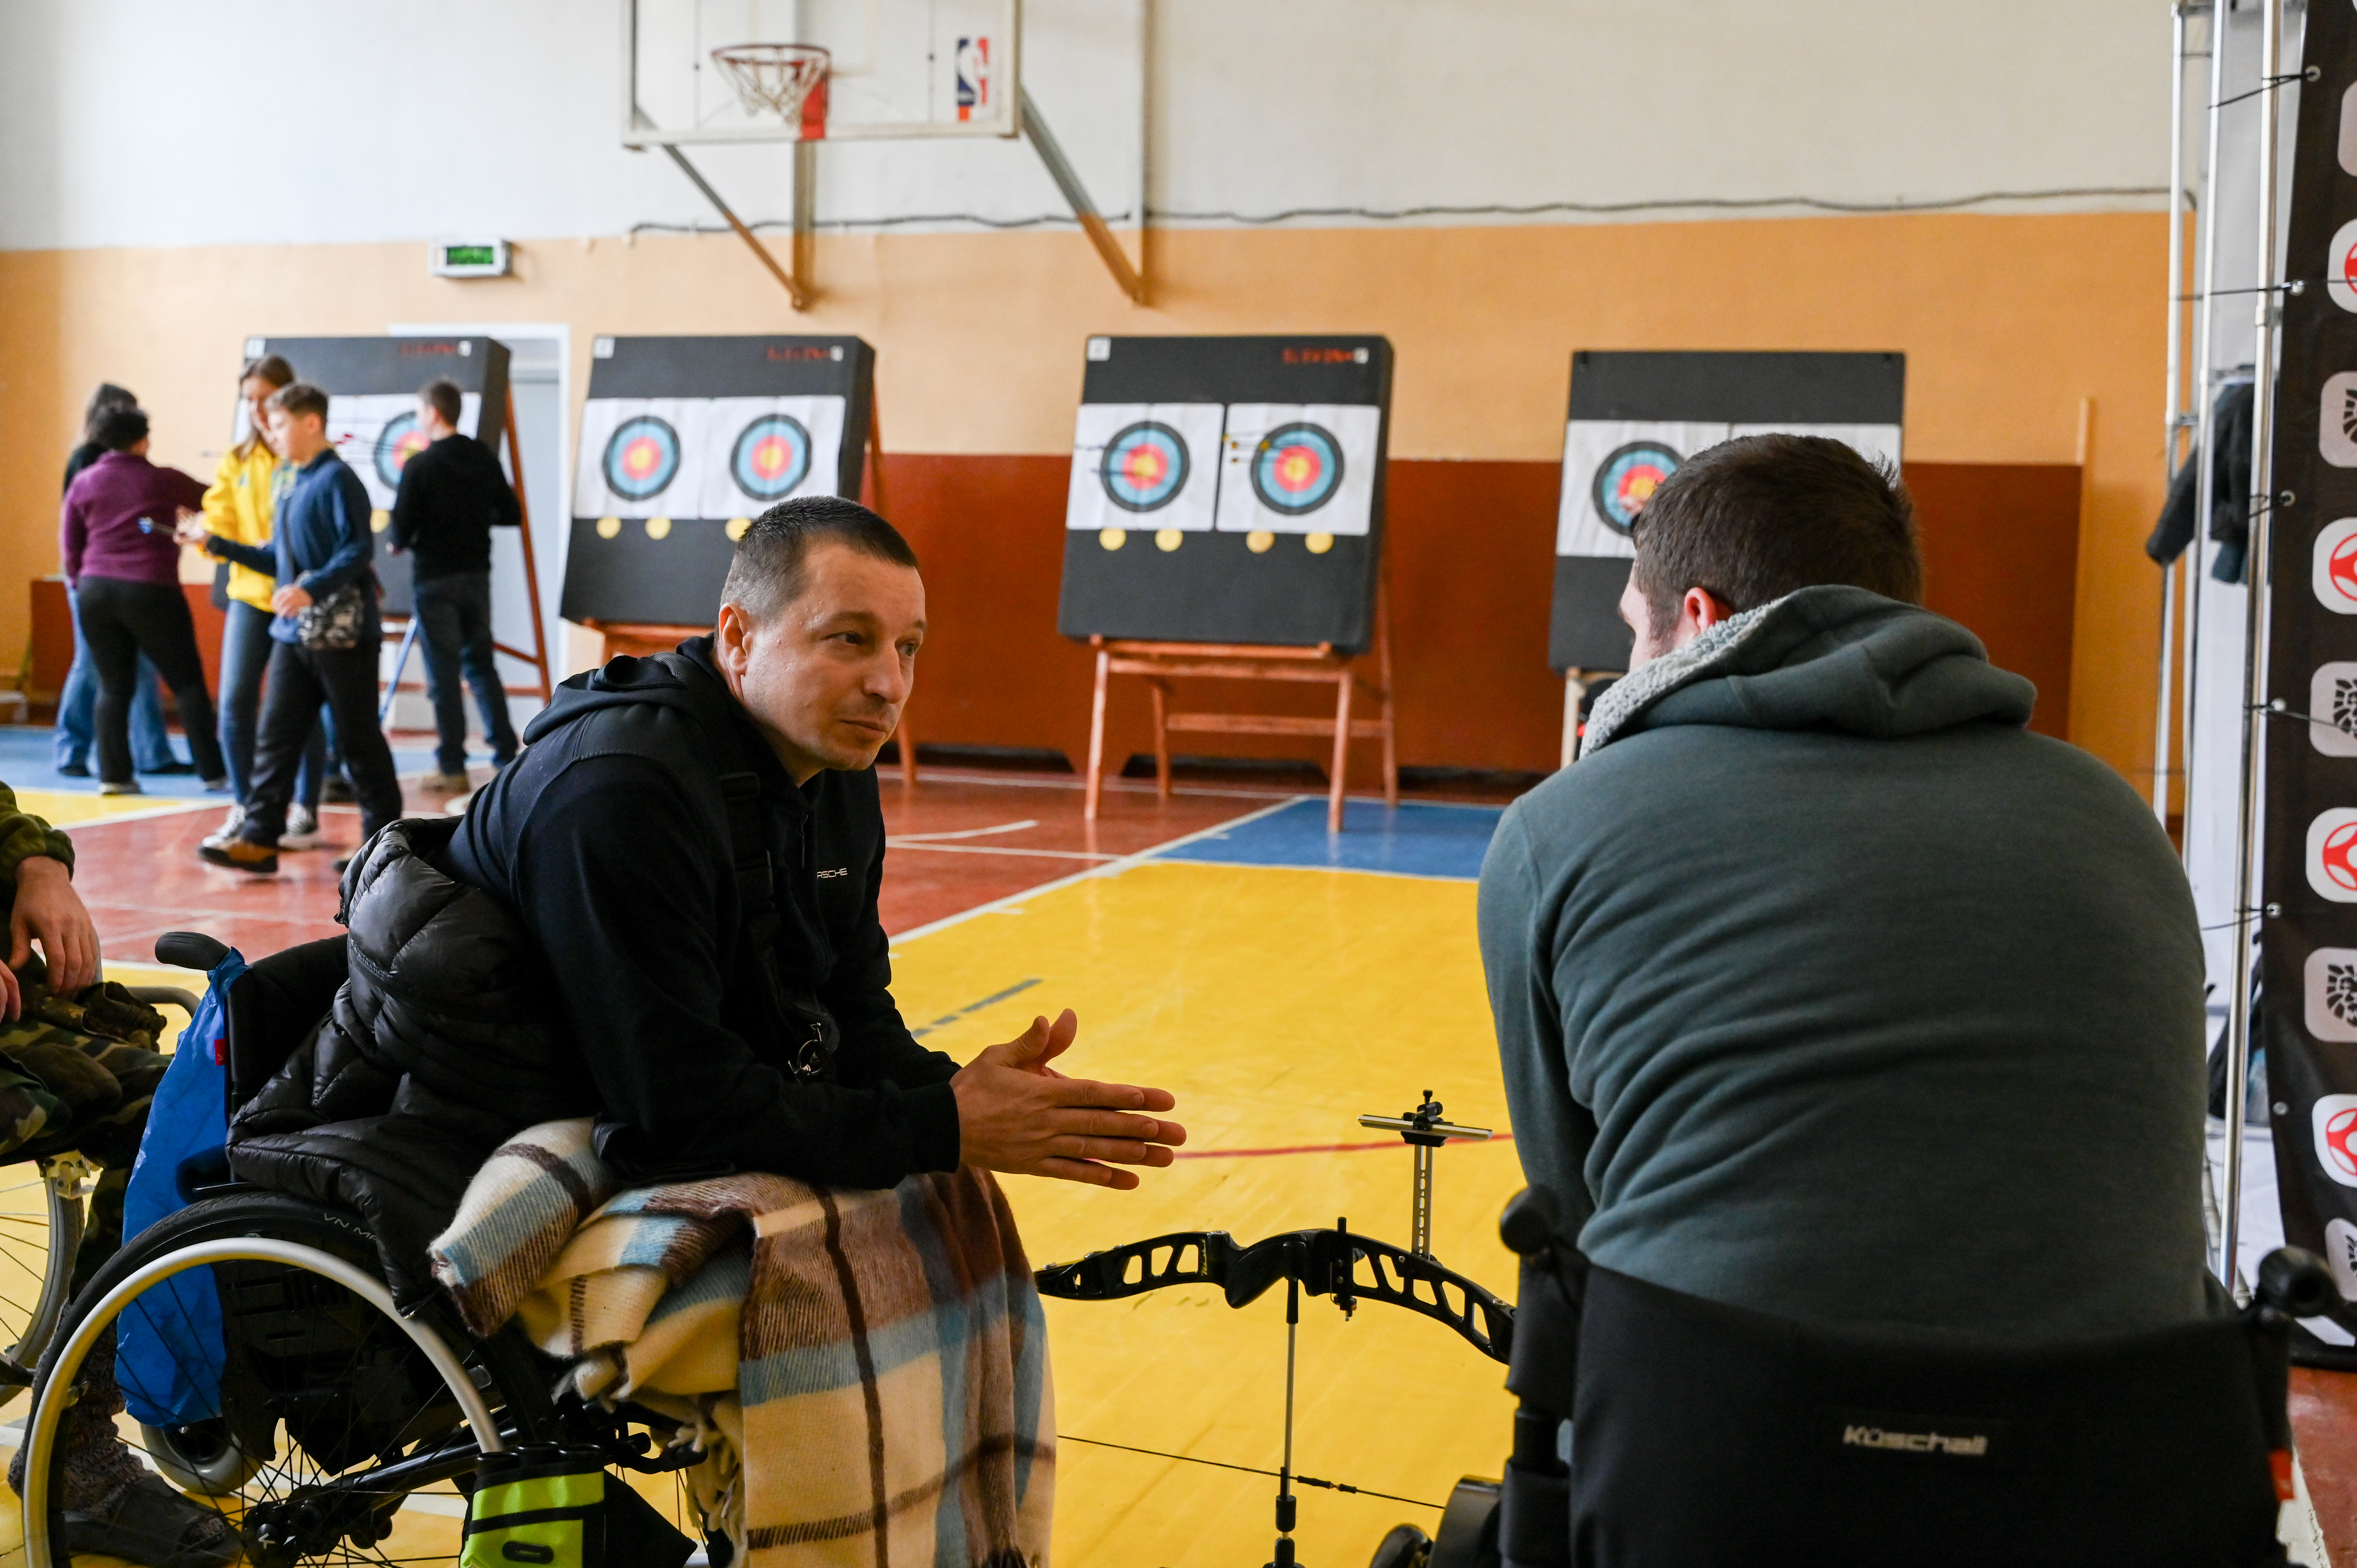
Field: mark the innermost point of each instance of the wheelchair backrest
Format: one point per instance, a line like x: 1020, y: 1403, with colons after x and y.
x: 272, y: 1008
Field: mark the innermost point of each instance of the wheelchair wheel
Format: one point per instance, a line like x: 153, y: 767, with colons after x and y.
x: 341, y: 1427
x: 41, y: 1214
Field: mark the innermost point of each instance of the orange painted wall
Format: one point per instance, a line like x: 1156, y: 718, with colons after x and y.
x: 2009, y: 322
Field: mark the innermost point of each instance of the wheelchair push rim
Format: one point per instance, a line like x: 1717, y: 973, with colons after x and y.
x: 48, y: 1259
x: 64, y: 1365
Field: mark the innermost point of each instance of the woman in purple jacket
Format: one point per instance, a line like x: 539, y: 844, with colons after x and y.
x: 123, y: 567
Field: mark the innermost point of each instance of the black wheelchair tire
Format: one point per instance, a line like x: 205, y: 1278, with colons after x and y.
x: 503, y: 1367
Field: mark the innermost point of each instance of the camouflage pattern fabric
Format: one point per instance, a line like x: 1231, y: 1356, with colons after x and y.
x: 79, y: 1072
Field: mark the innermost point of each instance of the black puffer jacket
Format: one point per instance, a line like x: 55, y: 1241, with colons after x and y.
x: 439, y: 1047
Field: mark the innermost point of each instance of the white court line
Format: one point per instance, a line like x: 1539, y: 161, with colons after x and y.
x: 1110, y: 868
x: 999, y: 849
x: 966, y: 833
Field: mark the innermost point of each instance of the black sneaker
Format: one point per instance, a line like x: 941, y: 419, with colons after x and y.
x: 74, y: 770
x: 241, y: 854
x: 148, y: 1521
x: 338, y: 789
x: 175, y: 765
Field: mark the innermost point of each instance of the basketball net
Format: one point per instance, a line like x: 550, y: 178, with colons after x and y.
x: 785, y: 80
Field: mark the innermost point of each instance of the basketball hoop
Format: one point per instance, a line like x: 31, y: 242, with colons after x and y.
x: 785, y: 80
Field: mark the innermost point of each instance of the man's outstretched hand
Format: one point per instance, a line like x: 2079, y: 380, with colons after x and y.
x: 1018, y: 1114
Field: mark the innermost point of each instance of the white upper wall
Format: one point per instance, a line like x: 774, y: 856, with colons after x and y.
x: 163, y: 122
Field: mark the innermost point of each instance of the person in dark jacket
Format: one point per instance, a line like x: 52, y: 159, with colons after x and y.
x: 1826, y: 991
x: 452, y: 495
x: 721, y: 1036
x: 320, y: 553
x: 664, y: 913
x: 117, y: 536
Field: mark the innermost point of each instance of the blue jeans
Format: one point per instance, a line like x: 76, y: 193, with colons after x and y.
x: 245, y: 654
x: 151, y: 748
x: 453, y: 618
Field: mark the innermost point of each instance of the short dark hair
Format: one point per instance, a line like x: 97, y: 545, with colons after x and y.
x: 768, y: 571
x: 1759, y: 516
x: 108, y: 396
x: 299, y: 398
x: 271, y: 370
x: 121, y: 429
x: 443, y: 395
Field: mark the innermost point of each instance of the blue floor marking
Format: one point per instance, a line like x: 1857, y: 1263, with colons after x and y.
x: 28, y: 761
x: 1417, y: 839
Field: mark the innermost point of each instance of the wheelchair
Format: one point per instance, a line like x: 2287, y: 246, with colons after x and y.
x: 343, y: 1430
x: 44, y: 1211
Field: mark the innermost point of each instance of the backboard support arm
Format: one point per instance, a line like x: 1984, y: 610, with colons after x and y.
x: 796, y: 290
x: 1068, y: 180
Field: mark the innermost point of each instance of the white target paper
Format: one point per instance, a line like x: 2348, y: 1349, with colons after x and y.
x: 1344, y: 506
x: 729, y: 421
x: 359, y: 427
x: 1590, y: 445
x: 680, y: 496
x: 705, y: 432
x: 1191, y: 504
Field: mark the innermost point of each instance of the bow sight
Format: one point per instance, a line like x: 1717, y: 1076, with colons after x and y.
x: 1349, y: 1267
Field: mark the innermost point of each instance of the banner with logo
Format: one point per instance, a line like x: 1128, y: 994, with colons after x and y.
x: 1636, y: 417
x: 2307, y: 964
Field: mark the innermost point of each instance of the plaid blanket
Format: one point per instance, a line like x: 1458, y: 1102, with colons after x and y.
x: 865, y: 1371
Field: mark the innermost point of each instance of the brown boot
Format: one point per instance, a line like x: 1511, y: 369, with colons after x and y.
x: 242, y: 854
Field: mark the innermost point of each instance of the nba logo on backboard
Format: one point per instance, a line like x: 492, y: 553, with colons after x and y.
x: 2335, y: 1123
x: 2332, y: 855
x: 972, y: 76
x: 2333, y: 575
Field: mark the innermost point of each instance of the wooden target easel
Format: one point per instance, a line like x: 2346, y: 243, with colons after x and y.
x: 538, y: 657
x: 639, y: 639
x: 1161, y: 662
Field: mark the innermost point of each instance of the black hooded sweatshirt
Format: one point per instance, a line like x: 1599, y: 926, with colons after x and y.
x: 609, y: 840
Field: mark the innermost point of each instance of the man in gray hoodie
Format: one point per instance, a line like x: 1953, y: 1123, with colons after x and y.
x: 1847, y: 1019
x: 1826, y: 989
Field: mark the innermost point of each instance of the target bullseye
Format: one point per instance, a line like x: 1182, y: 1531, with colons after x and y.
x: 1145, y: 466
x: 1627, y: 479
x: 396, y: 443
x: 771, y: 457
x: 641, y: 459
x: 1296, y: 469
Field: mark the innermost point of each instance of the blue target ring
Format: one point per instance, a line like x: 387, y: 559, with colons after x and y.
x: 641, y: 459
x: 1145, y: 466
x: 1626, y: 480
x: 396, y: 443
x: 773, y: 456
x: 1296, y: 469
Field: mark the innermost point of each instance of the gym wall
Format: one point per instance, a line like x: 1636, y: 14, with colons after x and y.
x: 149, y: 224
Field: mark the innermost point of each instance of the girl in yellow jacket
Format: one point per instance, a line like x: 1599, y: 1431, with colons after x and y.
x: 239, y: 505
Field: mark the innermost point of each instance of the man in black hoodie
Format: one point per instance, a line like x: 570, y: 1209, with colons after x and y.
x: 694, y: 842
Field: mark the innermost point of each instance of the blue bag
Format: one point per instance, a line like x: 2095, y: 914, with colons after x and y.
x: 169, y: 1347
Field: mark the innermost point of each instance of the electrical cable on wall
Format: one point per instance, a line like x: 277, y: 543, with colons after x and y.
x: 1489, y: 209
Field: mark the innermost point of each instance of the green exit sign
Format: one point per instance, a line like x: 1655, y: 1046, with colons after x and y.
x: 468, y: 259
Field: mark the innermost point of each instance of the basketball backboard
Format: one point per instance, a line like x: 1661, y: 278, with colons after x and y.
x: 900, y: 69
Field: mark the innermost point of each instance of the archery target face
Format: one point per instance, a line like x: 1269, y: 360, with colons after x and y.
x: 636, y: 457
x: 770, y: 456
x: 1145, y: 466
x: 1610, y: 467
x: 376, y: 433
x: 1299, y: 468
x: 759, y: 451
